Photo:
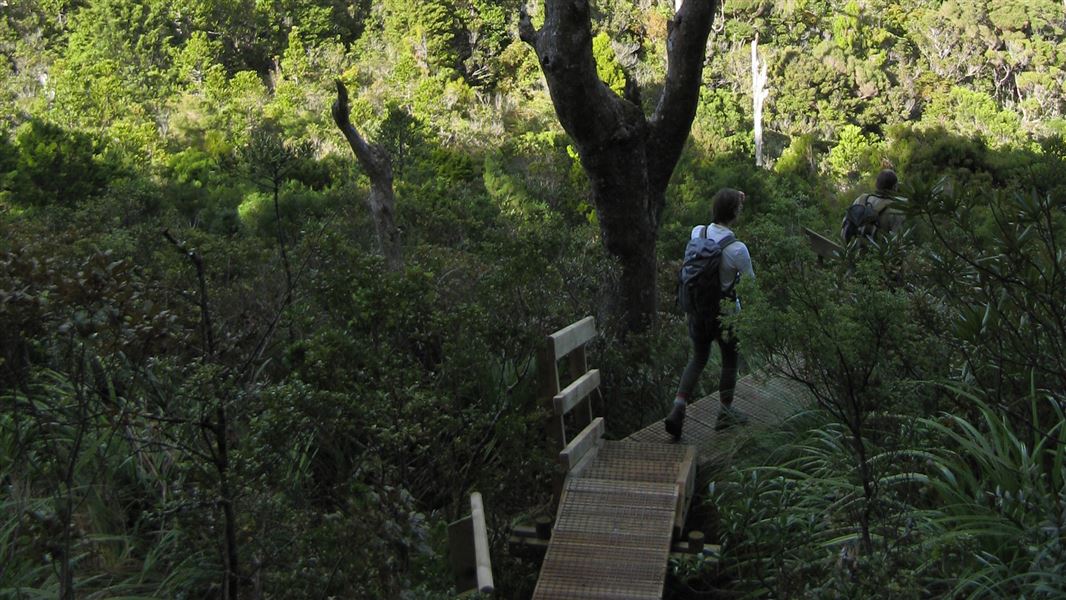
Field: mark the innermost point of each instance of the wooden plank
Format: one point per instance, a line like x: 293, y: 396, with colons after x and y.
x: 577, y: 364
x: 524, y: 541
x: 611, y: 541
x: 481, y: 545
x: 822, y: 246
x: 582, y: 466
x: 548, y: 374
x: 686, y: 488
x: 574, y: 393
x: 581, y: 444
x: 576, y: 334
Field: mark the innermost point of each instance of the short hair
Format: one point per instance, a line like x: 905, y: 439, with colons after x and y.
x: 725, y: 205
x: 886, y: 180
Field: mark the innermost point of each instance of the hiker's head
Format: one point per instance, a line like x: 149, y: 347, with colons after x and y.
x: 886, y: 180
x: 725, y: 206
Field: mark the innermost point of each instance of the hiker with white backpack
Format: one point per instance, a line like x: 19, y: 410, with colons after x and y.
x: 714, y: 262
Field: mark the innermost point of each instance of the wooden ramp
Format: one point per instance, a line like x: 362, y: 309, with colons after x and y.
x: 620, y: 502
x: 625, y: 501
x: 617, y: 517
x: 766, y: 399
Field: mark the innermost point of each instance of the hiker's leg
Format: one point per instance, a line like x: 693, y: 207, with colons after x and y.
x: 727, y: 342
x: 701, y: 336
x: 701, y: 351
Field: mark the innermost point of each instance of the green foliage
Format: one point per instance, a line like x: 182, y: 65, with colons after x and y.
x: 854, y: 157
x: 1001, y: 486
x: 790, y: 527
x: 799, y: 159
x: 53, y: 166
x: 607, y: 66
x: 362, y: 408
x: 524, y: 182
x: 721, y: 125
x: 405, y: 138
x: 971, y: 111
x: 847, y: 28
x: 1001, y: 250
x: 427, y: 31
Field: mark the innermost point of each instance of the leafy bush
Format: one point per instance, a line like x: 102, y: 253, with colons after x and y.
x: 55, y: 166
x: 997, y: 529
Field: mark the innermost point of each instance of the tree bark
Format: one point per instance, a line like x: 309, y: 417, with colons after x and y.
x: 627, y: 156
x: 378, y: 166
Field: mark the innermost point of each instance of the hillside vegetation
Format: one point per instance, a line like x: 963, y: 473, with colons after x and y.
x: 212, y: 385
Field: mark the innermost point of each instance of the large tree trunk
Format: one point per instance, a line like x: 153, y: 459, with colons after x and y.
x: 627, y: 156
x: 378, y: 166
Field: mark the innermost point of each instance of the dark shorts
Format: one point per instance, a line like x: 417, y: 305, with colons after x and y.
x: 704, y: 330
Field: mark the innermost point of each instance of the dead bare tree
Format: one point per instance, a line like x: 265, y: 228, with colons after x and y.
x: 759, y: 92
x: 378, y: 166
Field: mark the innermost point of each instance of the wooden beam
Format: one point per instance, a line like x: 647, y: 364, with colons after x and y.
x: 524, y: 541
x: 822, y: 246
x: 574, y: 393
x: 582, y: 465
x: 481, y: 545
x: 686, y: 488
x: 581, y: 444
x: 577, y: 365
x: 573, y: 336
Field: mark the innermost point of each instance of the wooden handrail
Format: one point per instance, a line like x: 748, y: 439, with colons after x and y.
x: 566, y: 400
x: 580, y: 445
x: 573, y: 336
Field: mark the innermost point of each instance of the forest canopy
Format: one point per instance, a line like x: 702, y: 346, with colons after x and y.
x: 212, y: 383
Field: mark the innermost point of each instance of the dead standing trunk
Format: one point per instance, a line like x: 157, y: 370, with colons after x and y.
x: 758, y: 95
x: 375, y: 161
x: 627, y: 156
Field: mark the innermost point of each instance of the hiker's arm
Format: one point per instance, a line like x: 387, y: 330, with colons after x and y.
x: 892, y: 220
x: 744, y: 262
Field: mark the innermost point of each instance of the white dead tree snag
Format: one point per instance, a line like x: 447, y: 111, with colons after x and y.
x: 759, y: 92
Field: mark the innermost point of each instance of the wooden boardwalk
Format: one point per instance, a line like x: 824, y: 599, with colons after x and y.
x: 766, y: 399
x: 615, y: 524
x: 622, y: 503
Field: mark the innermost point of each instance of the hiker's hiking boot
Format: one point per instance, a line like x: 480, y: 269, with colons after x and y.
x: 728, y: 417
x: 675, y: 420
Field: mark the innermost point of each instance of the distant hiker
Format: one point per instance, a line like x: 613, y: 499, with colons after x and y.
x: 714, y: 262
x: 872, y: 215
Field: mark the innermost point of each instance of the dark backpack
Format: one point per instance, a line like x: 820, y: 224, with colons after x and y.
x: 699, y: 286
x: 860, y: 219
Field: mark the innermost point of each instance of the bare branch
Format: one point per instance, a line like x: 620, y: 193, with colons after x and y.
x: 526, y: 32
x: 378, y: 165
x: 205, y: 313
x: 371, y: 157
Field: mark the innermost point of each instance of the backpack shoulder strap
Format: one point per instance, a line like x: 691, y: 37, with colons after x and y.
x: 883, y: 205
x: 703, y: 232
x: 726, y: 241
